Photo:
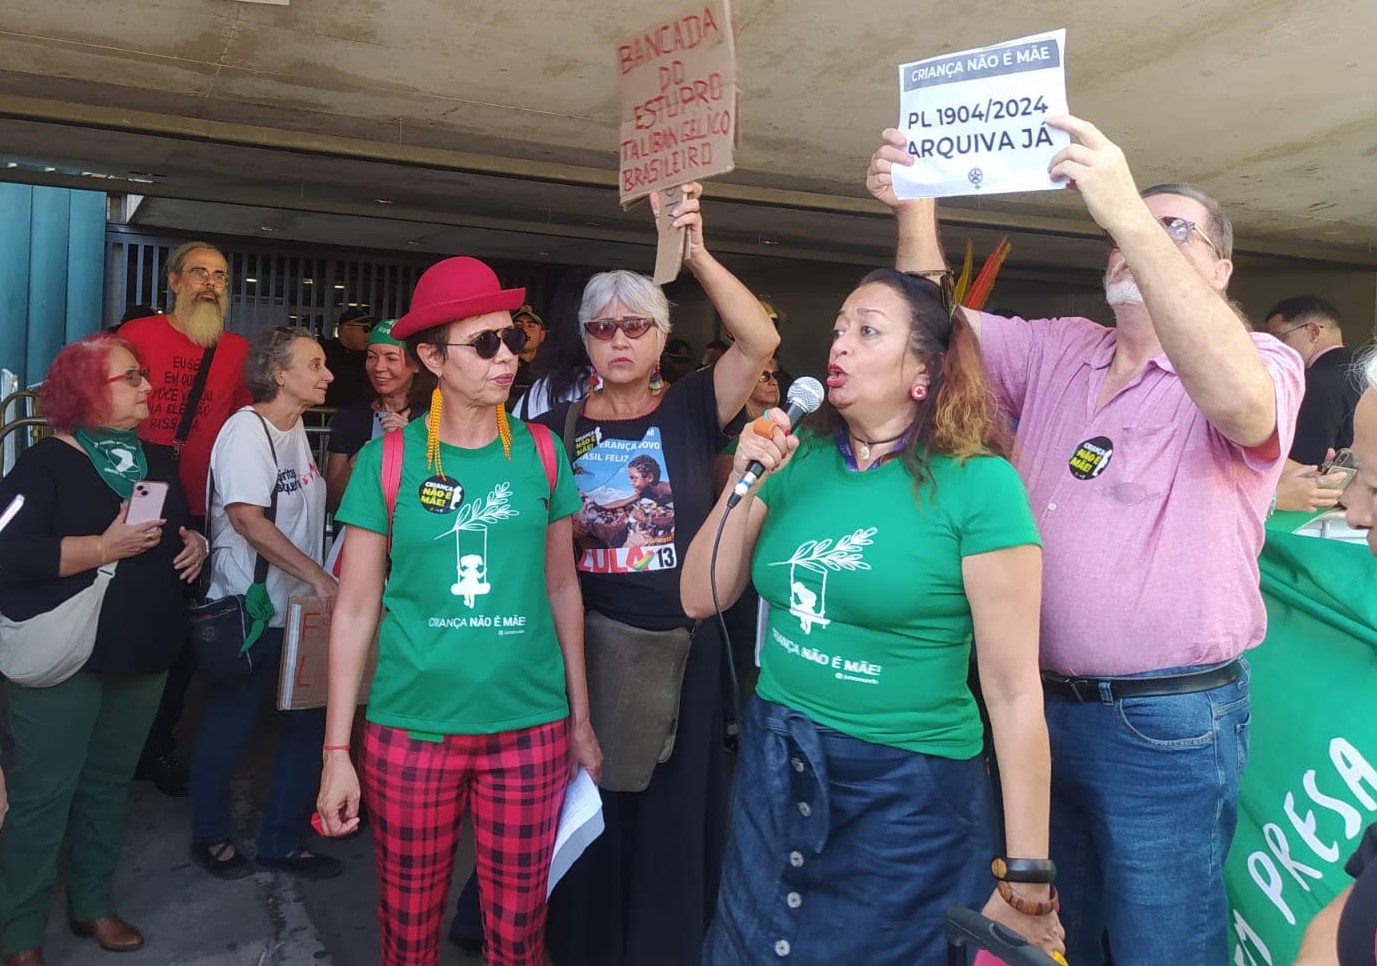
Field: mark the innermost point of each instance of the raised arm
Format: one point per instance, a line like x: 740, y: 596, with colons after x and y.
x: 754, y: 336
x: 1212, y: 353
x: 919, y: 248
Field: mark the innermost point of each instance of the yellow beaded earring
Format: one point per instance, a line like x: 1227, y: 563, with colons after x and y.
x: 504, y: 432
x: 433, y: 433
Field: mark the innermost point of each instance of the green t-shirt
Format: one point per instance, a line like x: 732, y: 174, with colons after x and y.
x: 467, y: 643
x: 869, y: 628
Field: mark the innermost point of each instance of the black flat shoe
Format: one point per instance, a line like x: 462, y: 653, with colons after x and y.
x: 209, y: 857
x: 169, y: 775
x: 307, y: 865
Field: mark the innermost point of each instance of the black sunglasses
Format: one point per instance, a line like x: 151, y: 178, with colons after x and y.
x: 487, y: 342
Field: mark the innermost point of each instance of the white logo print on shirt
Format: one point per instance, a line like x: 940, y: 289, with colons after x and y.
x: 808, y: 569
x: 471, y: 569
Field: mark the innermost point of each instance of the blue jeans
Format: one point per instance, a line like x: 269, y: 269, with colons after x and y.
x: 226, y: 727
x: 843, y: 851
x: 1144, y: 806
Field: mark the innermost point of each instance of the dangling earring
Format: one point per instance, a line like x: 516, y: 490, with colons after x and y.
x: 657, y: 380
x: 594, y: 382
x: 504, y: 432
x: 433, y: 433
x: 919, y: 392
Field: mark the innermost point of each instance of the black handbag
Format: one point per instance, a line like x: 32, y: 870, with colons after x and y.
x: 220, y: 627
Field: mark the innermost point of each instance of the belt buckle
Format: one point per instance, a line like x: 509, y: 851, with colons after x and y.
x: 1091, y: 688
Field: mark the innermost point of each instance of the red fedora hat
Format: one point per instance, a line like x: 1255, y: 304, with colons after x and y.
x: 457, y: 288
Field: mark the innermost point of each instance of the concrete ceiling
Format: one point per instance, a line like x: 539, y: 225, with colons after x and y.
x: 499, y: 119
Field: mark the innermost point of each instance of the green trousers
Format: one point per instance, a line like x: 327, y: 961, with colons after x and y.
x: 75, y: 749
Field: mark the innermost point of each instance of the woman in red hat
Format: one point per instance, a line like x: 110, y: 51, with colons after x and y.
x: 645, y: 889
x: 478, y: 697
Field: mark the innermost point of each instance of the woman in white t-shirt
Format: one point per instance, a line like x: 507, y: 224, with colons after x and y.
x: 263, y: 450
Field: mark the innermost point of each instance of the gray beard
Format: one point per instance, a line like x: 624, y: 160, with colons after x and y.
x: 1124, y: 291
x: 202, y: 322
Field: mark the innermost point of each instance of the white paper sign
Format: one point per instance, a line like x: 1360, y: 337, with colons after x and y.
x: 580, y: 822
x: 974, y: 120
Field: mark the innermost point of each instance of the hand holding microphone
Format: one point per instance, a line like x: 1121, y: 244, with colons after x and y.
x: 768, y: 441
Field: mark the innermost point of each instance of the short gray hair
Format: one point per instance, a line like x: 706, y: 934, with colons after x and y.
x: 1364, y: 371
x: 637, y: 292
x: 271, y: 349
x: 177, y: 259
x: 1218, y: 226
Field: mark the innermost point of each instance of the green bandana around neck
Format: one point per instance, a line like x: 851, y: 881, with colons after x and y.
x: 116, y: 454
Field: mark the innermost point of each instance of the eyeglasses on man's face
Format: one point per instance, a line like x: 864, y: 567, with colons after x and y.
x: 603, y: 330
x: 487, y: 342
x: 1179, y: 230
x: 133, y: 377
x: 201, y: 275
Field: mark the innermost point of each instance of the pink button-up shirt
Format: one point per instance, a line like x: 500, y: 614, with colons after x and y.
x: 1151, y: 520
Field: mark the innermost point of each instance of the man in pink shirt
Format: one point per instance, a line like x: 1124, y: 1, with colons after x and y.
x: 1151, y: 452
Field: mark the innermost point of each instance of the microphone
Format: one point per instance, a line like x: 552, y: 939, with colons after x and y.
x: 805, y: 396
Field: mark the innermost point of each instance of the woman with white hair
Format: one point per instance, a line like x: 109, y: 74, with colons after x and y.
x: 643, y: 458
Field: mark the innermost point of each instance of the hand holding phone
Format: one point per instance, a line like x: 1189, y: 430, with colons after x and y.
x: 146, y: 503
x: 1341, y: 469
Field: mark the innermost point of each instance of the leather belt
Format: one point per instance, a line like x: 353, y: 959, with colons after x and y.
x: 1092, y: 689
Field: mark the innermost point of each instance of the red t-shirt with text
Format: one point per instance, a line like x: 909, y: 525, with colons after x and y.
x: 172, y: 360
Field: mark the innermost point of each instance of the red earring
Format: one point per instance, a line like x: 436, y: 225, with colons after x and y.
x: 919, y: 392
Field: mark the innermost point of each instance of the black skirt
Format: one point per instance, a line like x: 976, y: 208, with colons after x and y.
x: 644, y: 892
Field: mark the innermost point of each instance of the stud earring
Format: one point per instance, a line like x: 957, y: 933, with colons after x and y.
x: 919, y: 392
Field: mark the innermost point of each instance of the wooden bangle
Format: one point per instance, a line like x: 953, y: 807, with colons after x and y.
x: 1029, y: 907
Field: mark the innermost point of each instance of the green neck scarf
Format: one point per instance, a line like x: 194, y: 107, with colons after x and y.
x: 116, y: 454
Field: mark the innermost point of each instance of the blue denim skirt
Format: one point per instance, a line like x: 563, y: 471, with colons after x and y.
x: 843, y: 851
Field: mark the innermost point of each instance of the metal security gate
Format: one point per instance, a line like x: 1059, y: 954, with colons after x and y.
x: 269, y: 285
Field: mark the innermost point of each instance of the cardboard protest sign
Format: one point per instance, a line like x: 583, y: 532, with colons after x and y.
x: 974, y: 120
x: 678, y: 117
x: 304, y: 678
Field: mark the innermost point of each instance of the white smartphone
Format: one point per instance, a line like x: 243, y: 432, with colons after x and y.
x: 147, y: 502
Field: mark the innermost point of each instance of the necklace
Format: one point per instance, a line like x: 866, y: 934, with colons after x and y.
x: 863, y: 445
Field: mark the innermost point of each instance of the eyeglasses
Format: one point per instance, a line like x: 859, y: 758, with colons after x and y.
x: 487, y: 342
x: 1179, y: 230
x: 133, y: 377
x: 603, y: 330
x: 201, y: 275
x: 769, y: 377
x: 1285, y: 332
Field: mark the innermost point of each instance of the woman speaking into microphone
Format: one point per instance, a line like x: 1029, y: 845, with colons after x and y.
x: 883, y: 538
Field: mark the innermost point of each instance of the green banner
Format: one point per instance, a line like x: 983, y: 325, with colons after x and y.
x: 1310, y: 788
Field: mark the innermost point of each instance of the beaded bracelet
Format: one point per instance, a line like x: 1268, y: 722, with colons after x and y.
x: 1029, y: 907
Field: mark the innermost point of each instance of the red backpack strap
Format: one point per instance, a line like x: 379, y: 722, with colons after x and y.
x: 394, y: 447
x: 545, y: 446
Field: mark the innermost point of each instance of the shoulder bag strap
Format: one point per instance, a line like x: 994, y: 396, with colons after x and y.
x: 394, y: 448
x: 260, y: 565
x: 571, y: 421
x: 193, y: 401
x: 545, y: 446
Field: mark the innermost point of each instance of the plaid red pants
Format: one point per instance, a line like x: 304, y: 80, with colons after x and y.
x: 416, y: 793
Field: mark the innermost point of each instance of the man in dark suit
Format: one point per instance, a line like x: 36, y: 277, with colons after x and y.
x: 1311, y: 326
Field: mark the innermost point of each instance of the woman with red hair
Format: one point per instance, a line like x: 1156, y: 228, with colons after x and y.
x: 76, y: 743
x: 884, y: 537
